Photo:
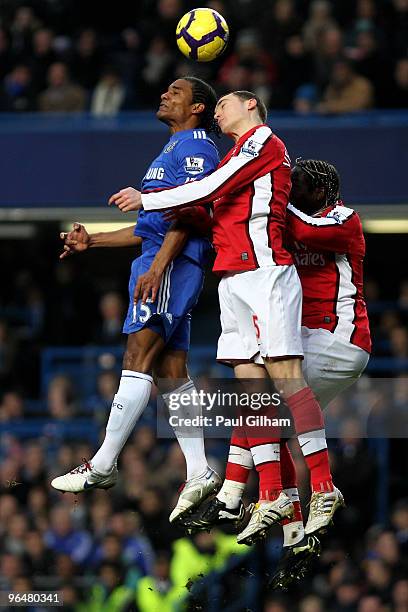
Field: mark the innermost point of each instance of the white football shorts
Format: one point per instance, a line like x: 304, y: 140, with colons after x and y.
x: 331, y: 363
x: 261, y: 314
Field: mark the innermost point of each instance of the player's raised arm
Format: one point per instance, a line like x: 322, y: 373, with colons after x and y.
x: 259, y: 154
x: 79, y: 240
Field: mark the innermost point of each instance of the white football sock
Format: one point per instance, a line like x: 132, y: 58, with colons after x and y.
x: 293, y: 533
x: 231, y: 493
x: 191, y: 439
x: 127, y: 406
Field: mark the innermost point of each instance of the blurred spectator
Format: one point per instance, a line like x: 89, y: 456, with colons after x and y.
x: 60, y: 397
x: 112, y: 309
x: 399, y: 519
x: 42, y: 56
x: 18, y: 94
x: 346, y: 92
x: 248, y: 59
x: 22, y: 29
x: 400, y: 596
x: 62, y: 95
x: 399, y: 342
x: 11, y: 567
x: 371, y: 603
x: 295, y: 69
x: 106, y: 386
x: 373, y: 63
x: 311, y: 603
x: 11, y: 407
x: 157, y: 592
x: 328, y: 51
x: 399, y: 28
x: 319, y: 20
x: 109, y: 593
x: 38, y: 558
x: 109, y: 95
x: 136, y: 548
x: 62, y: 538
x: 8, y: 350
x: 87, y: 60
x: 157, y: 71
x: 399, y: 88
x: 277, y: 24
x: 6, y: 56
x: 305, y: 99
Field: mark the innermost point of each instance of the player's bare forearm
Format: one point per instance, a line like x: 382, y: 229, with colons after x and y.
x: 173, y: 243
x: 119, y: 238
x: 148, y: 284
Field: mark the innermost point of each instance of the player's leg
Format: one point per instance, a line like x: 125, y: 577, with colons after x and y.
x: 273, y: 504
x: 309, y: 425
x: 130, y: 401
x: 227, y: 506
x: 146, y: 339
x: 171, y: 376
x: 275, y: 310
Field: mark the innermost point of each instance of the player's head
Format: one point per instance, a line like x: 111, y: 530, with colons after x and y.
x: 315, y: 184
x: 188, y: 103
x: 238, y: 109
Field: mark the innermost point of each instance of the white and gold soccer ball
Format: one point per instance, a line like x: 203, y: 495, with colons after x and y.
x: 202, y: 34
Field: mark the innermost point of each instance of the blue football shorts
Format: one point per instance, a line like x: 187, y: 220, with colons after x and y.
x: 170, y: 314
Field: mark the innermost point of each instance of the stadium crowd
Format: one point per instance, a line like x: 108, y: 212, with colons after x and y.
x: 324, y: 56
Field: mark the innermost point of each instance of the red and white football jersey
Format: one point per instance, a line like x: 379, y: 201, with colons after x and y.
x: 328, y: 252
x: 250, y: 191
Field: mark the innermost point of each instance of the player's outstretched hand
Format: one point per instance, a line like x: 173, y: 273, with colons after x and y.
x: 147, y: 286
x: 75, y: 241
x: 127, y: 199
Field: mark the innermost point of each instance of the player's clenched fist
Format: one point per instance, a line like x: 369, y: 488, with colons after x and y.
x: 75, y: 241
x: 127, y: 199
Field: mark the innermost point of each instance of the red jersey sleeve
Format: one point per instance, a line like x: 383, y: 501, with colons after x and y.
x: 335, y: 232
x: 261, y: 153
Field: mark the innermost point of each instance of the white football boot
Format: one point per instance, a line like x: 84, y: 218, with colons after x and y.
x: 264, y: 515
x: 195, y: 491
x: 84, y: 477
x: 323, y: 505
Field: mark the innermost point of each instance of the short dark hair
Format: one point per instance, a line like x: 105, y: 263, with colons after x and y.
x: 249, y: 95
x: 321, y: 174
x: 203, y: 93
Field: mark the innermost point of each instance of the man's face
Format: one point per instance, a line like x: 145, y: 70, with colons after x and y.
x: 229, y: 112
x: 176, y: 103
x: 302, y: 195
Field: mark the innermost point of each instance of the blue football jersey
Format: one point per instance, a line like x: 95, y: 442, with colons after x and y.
x: 188, y: 156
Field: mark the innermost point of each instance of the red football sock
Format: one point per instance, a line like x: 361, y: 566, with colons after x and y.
x: 309, y: 425
x: 289, y: 482
x: 266, y: 455
x: 238, y: 464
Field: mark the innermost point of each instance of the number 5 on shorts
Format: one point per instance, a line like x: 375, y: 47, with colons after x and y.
x: 257, y: 330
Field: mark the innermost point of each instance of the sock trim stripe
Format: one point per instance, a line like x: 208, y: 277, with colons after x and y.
x: 242, y: 447
x: 307, y: 432
x: 266, y: 462
x: 321, y: 450
x: 150, y: 380
x: 263, y: 444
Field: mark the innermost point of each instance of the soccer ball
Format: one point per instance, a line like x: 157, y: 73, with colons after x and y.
x: 202, y: 34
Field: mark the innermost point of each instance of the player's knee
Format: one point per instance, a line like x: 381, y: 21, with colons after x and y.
x: 172, y: 371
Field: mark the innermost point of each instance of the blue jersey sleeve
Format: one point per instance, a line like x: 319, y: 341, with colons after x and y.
x: 195, y: 159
